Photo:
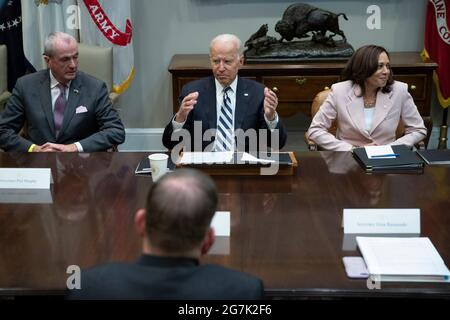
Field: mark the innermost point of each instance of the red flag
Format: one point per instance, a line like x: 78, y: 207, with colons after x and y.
x: 437, y: 46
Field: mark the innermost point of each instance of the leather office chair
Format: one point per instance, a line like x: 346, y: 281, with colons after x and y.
x: 4, y: 93
x: 98, y: 62
x: 319, y: 100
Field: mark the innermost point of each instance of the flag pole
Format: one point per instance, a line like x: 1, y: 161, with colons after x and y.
x: 443, y: 131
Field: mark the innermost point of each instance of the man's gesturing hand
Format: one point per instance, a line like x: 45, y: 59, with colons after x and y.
x: 270, y: 104
x: 186, y: 106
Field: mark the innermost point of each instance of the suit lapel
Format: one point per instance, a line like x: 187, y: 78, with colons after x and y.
x: 382, y: 107
x: 355, y: 109
x: 211, y: 101
x: 46, y: 101
x: 242, y: 98
x: 72, y: 103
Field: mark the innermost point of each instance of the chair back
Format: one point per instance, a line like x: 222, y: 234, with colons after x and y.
x: 96, y: 61
x: 320, y: 99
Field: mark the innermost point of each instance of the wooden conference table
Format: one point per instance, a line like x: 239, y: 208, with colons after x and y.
x: 284, y: 229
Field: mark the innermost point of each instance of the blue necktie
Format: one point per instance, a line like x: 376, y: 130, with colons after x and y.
x: 60, y: 106
x: 225, y: 128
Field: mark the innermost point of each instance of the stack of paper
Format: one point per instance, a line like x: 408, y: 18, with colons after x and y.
x: 380, y: 152
x: 206, y: 157
x: 403, y: 259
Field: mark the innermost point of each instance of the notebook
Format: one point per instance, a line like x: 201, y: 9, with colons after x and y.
x: 403, y: 259
x: 405, y: 160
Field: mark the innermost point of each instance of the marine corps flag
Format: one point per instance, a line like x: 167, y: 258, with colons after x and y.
x: 437, y: 46
x: 11, y: 35
x: 107, y: 23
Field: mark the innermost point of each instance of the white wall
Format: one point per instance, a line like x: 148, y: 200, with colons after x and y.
x: 163, y: 28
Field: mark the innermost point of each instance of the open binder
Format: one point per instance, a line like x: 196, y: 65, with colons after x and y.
x: 405, y: 161
x: 285, y: 161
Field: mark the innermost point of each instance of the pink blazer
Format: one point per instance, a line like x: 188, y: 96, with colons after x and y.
x: 344, y: 104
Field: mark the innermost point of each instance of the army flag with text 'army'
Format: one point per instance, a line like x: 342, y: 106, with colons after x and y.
x: 107, y: 23
x: 437, y: 46
x: 41, y: 17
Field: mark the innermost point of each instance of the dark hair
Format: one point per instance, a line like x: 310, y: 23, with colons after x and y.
x: 363, y: 64
x: 180, y: 207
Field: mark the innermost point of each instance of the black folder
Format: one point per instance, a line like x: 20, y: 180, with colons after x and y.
x: 406, y: 161
x: 143, y: 168
x: 435, y: 156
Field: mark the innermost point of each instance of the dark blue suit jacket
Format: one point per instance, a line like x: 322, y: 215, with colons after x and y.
x: 249, y: 112
x: 154, y: 277
x: 30, y: 105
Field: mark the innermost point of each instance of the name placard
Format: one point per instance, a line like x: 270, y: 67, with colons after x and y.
x: 25, y: 178
x: 32, y: 196
x: 386, y: 221
x: 221, y: 223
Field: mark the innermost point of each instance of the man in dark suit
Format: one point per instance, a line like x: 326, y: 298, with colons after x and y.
x: 60, y: 109
x: 252, y: 108
x: 176, y: 232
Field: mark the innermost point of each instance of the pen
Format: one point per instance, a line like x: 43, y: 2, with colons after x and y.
x: 385, y: 155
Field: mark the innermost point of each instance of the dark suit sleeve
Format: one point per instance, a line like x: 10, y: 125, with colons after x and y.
x: 282, y: 135
x: 111, y: 131
x: 12, y: 120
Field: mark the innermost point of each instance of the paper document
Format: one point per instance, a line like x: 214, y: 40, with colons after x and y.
x: 380, y: 152
x: 403, y: 259
x: 221, y: 223
x: 249, y: 158
x: 206, y: 157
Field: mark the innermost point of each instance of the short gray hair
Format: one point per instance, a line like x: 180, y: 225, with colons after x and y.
x: 52, y: 38
x: 226, y: 37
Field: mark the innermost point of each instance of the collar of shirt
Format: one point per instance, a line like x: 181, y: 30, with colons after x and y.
x: 219, y: 87
x: 54, y: 83
x: 55, y: 92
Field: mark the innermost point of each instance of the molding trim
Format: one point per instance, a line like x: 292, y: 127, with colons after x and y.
x: 143, y: 139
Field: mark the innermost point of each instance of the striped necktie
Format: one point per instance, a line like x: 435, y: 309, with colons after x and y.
x: 225, y: 128
x: 60, y: 106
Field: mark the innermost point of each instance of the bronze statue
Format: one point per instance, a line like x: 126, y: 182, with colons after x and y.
x: 301, y: 18
x: 300, y: 21
x: 259, y: 40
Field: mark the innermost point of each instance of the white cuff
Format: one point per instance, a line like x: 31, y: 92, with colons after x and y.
x: 272, y: 125
x: 79, y: 147
x: 177, y: 125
